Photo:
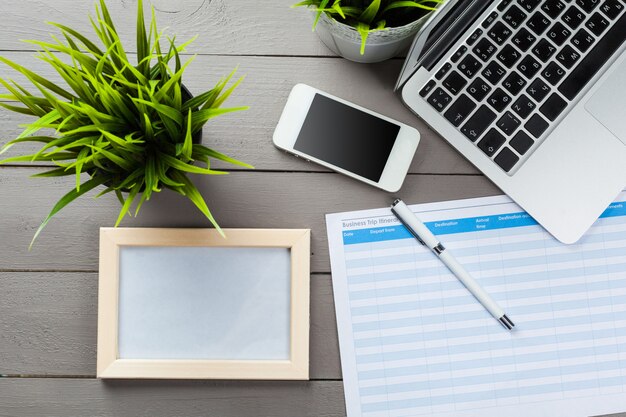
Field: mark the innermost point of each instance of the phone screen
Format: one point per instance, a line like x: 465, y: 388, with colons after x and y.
x: 347, y: 137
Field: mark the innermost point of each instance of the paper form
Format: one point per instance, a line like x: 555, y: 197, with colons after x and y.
x: 414, y: 342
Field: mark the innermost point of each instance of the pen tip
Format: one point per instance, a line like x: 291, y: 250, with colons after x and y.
x: 395, y: 202
x: 506, y: 322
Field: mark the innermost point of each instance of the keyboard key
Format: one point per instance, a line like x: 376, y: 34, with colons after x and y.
x: 582, y: 40
x: 508, y: 123
x: 439, y: 99
x: 478, y: 123
x: 508, y: 56
x: 514, y: 83
x: 506, y: 159
x: 521, y: 142
x: 573, y: 17
x: 568, y: 56
x: 459, y: 110
x: 523, y: 39
x: 499, y: 33
x: 544, y: 50
x: 484, y: 49
x: 594, y: 60
x: 538, y: 23
x: 454, y: 83
x: 529, y: 5
x: 529, y: 66
x: 597, y: 24
x: 514, y: 17
x: 553, y: 8
x: 536, y: 126
x: 492, y: 141
x: 443, y: 71
x: 489, y: 20
x: 538, y: 90
x: 469, y: 66
x: 523, y: 106
x: 428, y: 88
x: 474, y: 37
x: 558, y: 33
x: 499, y: 100
x: 588, y: 5
x: 493, y: 72
x: 553, y: 106
x: 612, y: 8
x: 478, y: 89
x: 503, y: 4
x: 458, y: 54
x: 553, y: 73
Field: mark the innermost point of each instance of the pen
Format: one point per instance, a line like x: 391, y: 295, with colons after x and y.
x: 425, y: 237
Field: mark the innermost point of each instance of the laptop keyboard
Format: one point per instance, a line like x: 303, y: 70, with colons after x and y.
x: 520, y: 69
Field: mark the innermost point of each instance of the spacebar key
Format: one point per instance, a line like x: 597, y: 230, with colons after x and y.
x: 596, y: 58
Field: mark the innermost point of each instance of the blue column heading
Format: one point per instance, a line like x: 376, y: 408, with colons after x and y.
x: 466, y: 225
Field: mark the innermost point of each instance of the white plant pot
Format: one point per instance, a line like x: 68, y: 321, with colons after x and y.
x: 381, y: 45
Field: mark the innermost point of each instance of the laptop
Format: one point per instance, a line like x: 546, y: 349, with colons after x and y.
x: 533, y: 93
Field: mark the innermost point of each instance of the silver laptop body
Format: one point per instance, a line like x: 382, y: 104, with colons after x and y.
x: 533, y: 93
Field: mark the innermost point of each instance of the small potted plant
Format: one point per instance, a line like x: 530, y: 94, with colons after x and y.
x: 368, y: 30
x: 132, y: 128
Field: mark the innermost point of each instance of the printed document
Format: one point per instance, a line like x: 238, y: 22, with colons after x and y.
x: 414, y: 342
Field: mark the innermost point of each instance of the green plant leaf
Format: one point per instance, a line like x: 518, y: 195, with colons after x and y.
x: 57, y: 172
x: 143, y: 47
x: 201, y: 150
x: 37, y: 79
x: 122, y: 163
x: 323, y: 4
x: 188, y: 143
x: 185, y: 167
x: 411, y: 4
x: 67, y: 199
x: 163, y: 110
x: 88, y: 44
x: 369, y: 14
x: 81, y: 159
x: 191, y: 192
x: 128, y: 203
x: 364, y: 31
x: 200, y: 117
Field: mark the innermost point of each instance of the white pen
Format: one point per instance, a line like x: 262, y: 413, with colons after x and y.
x: 425, y: 237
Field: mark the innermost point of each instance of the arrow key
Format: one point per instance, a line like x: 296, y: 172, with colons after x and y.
x: 491, y: 142
x: 478, y: 123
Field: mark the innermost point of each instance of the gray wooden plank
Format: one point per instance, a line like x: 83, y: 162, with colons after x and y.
x: 241, y: 199
x: 48, y: 325
x: 248, y: 135
x: 89, y: 397
x: 223, y: 26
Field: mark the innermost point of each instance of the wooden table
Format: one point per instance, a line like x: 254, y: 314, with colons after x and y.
x: 48, y: 296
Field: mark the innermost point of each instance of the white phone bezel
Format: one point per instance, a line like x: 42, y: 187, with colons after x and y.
x: 292, y: 119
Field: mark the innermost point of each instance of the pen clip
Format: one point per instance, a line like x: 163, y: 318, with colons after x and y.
x: 408, y: 228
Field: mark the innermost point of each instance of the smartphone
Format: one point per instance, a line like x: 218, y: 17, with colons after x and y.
x: 346, y: 138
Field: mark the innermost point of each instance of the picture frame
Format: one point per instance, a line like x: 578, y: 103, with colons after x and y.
x: 113, y: 241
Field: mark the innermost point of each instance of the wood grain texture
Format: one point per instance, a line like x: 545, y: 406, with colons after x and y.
x: 88, y: 397
x: 247, y: 135
x: 238, y: 200
x: 48, y: 325
x: 225, y: 27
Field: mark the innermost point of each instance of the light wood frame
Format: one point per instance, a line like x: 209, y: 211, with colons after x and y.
x: 111, y: 366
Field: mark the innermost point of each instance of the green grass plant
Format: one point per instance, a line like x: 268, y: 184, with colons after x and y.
x: 367, y: 16
x: 129, y: 126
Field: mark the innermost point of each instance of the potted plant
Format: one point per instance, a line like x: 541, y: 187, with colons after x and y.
x: 133, y: 128
x: 368, y: 30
